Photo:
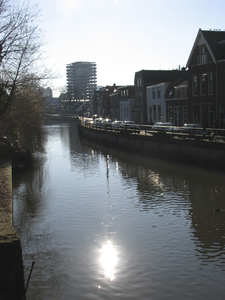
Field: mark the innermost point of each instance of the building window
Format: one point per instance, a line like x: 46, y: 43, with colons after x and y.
x: 138, y: 101
x: 211, y: 115
x: 185, y: 119
x: 221, y: 116
x: 170, y: 114
x: 154, y: 112
x: 153, y: 93
x: 177, y: 115
x: 194, y: 85
x: 202, y: 56
x: 210, y: 84
x: 151, y: 117
x: 183, y: 91
x: 158, y: 92
x: 203, y: 84
x: 159, y: 113
x: 196, y: 114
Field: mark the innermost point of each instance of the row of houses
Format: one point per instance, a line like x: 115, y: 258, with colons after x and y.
x: 193, y: 94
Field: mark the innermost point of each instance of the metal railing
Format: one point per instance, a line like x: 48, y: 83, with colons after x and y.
x: 203, y: 134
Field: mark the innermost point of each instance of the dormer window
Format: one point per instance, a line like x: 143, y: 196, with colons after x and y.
x: 183, y: 91
x: 158, y: 92
x: 153, y: 93
x: 202, y: 56
x: 171, y: 92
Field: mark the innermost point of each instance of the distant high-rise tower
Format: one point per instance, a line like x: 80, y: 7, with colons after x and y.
x: 81, y: 80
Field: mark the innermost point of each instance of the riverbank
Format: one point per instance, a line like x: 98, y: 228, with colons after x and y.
x: 11, y: 271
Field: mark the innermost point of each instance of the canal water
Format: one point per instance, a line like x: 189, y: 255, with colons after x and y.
x: 106, y: 224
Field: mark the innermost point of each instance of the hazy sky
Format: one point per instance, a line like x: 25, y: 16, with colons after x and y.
x: 124, y: 36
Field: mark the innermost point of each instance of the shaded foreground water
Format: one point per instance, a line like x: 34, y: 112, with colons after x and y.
x: 105, y: 224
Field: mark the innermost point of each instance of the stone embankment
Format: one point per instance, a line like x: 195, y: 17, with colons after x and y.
x: 11, y: 270
x: 203, y: 153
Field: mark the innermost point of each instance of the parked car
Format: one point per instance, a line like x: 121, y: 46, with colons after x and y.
x: 98, y: 122
x: 194, y: 130
x: 162, y: 127
x: 116, y: 125
x: 129, y: 126
x: 89, y: 122
x: 106, y: 123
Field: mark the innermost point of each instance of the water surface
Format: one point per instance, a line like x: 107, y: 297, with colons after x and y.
x: 105, y: 224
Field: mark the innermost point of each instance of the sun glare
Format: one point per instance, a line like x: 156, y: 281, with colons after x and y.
x: 108, y: 259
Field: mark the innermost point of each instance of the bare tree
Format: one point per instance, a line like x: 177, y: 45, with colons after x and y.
x: 20, y: 44
x: 21, y: 91
x: 23, y: 122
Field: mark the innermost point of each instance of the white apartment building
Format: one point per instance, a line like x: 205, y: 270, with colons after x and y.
x: 156, y: 104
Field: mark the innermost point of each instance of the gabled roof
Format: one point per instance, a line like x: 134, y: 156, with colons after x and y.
x: 182, y: 79
x: 214, y: 41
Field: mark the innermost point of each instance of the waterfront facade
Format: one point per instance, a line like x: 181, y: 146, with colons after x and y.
x: 142, y: 80
x: 81, y: 80
x: 114, y: 104
x: 122, y: 104
x: 198, y: 95
x: 206, y: 66
x: 156, y: 104
x: 96, y: 101
x: 102, y: 101
x: 194, y: 94
x: 177, y: 100
x: 127, y: 104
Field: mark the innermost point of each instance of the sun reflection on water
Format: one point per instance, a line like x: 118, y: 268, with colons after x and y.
x: 109, y: 259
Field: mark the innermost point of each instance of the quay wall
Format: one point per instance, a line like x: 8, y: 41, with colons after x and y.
x: 204, y: 153
x: 11, y: 262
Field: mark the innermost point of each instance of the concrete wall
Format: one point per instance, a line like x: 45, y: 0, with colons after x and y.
x: 11, y: 270
x: 205, y: 153
x: 11, y: 262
